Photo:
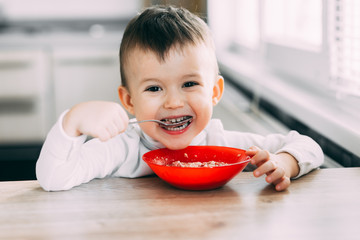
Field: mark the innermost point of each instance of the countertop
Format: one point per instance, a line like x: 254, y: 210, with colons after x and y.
x: 321, y: 205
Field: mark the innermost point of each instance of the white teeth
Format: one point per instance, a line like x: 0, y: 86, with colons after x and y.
x: 175, y: 120
x: 178, y: 128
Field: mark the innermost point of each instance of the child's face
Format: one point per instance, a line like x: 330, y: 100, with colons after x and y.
x: 185, y: 85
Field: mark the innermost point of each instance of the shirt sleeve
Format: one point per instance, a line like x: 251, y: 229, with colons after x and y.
x: 305, y: 150
x: 65, y: 161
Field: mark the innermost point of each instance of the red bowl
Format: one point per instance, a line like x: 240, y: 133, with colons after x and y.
x: 197, y: 178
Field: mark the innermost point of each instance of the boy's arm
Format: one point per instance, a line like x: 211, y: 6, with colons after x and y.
x: 98, y: 119
x: 281, y: 165
x: 289, y: 164
x: 65, y: 161
x: 279, y: 156
x: 279, y: 168
x: 303, y: 149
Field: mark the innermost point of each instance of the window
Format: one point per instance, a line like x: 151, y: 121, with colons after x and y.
x: 314, y: 42
x: 247, y: 23
x: 302, y: 56
x: 293, y: 40
x: 344, y: 45
x: 295, y: 23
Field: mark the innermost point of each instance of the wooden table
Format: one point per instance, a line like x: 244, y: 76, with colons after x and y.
x: 324, y: 204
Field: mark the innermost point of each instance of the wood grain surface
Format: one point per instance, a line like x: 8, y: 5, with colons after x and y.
x: 324, y: 204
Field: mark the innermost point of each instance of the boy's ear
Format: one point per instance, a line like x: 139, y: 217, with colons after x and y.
x: 125, y: 99
x: 218, y: 90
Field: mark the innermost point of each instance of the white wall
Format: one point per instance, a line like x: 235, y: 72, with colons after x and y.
x: 68, y: 9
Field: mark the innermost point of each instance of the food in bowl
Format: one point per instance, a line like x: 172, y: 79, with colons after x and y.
x: 197, y: 167
x: 196, y: 164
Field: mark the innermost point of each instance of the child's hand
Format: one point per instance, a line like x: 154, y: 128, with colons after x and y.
x: 98, y: 119
x: 279, y: 168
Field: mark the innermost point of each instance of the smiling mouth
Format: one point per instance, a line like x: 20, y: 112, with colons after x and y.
x: 185, y: 119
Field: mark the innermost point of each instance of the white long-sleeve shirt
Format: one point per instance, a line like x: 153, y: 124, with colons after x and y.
x: 65, y: 162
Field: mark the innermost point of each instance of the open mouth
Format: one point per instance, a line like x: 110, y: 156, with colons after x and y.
x: 179, y: 123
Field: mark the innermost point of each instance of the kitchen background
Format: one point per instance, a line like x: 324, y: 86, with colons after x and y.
x: 54, y: 54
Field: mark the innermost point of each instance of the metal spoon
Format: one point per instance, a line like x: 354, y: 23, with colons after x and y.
x: 163, y: 123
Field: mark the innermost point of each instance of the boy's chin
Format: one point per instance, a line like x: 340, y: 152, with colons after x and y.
x: 176, y: 146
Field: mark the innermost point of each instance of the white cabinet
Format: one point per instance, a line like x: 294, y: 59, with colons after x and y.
x: 84, y: 74
x: 40, y: 80
x: 23, y: 84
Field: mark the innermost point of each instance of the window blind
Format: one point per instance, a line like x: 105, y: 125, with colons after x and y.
x: 344, y: 45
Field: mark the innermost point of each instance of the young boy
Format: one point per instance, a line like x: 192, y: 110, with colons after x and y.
x: 169, y: 72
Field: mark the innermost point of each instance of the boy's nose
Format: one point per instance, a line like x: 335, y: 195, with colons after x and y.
x: 173, y: 100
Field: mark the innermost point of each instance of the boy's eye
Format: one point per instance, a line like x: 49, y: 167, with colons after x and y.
x: 190, y: 84
x: 153, y: 89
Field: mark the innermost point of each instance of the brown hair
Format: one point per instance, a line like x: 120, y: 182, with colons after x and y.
x: 158, y: 29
